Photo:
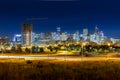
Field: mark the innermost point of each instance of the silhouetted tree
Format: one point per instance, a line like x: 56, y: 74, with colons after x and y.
x: 41, y: 49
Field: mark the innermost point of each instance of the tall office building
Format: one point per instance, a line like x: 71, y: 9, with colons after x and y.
x: 76, y: 36
x: 96, y: 30
x: 58, y: 33
x: 58, y: 29
x: 85, y: 34
x: 101, y: 34
x: 27, y: 34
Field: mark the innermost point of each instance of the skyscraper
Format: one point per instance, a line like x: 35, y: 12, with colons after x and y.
x: 58, y: 29
x: 58, y: 33
x: 27, y: 34
x: 85, y: 34
x: 96, y: 30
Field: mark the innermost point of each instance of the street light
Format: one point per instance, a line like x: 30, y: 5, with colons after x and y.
x: 66, y: 51
x: 83, y: 44
x: 108, y: 48
x: 108, y: 44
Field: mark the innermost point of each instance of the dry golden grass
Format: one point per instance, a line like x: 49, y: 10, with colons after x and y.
x: 16, y: 69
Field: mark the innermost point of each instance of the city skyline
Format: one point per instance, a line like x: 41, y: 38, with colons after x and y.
x: 69, y: 15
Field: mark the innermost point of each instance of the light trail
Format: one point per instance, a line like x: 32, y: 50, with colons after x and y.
x: 69, y: 58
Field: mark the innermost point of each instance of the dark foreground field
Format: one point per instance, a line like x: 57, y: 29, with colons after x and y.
x: 59, y: 70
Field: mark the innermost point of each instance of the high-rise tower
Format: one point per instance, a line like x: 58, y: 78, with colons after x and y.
x: 96, y: 30
x: 58, y: 29
x: 27, y: 34
x: 85, y: 34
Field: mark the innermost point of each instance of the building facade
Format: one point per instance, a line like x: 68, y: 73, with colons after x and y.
x: 27, y: 34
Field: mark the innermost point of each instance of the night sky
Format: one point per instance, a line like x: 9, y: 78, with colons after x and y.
x: 69, y: 15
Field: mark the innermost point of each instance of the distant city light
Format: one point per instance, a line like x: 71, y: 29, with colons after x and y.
x: 18, y: 35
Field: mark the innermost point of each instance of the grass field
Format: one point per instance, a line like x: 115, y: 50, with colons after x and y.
x: 15, y: 69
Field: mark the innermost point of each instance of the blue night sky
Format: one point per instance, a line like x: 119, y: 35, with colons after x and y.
x: 69, y: 15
